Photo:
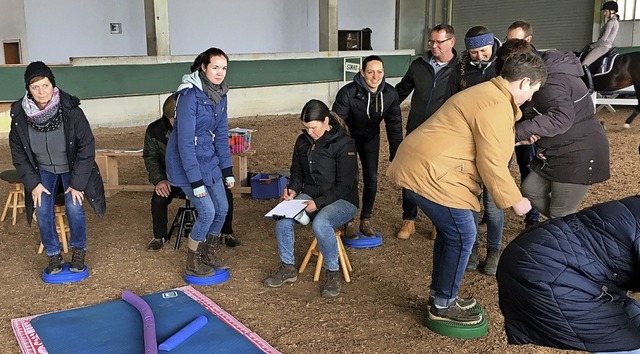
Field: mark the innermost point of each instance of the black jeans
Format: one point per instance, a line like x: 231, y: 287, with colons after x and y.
x: 369, y: 152
x: 227, y: 228
x: 159, y: 218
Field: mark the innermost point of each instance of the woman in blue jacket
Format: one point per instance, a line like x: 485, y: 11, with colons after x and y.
x: 198, y: 156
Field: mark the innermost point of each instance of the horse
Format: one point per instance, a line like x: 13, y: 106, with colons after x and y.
x: 622, y: 73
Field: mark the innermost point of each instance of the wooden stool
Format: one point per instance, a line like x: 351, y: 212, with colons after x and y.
x: 15, y: 201
x: 62, y: 227
x: 345, y: 265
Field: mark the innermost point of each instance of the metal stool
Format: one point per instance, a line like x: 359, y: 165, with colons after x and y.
x: 15, y: 199
x: 185, y: 217
x: 345, y: 265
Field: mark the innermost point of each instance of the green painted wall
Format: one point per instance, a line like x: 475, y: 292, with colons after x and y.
x: 125, y: 80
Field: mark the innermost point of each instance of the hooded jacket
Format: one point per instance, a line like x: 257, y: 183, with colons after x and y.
x: 363, y: 111
x: 564, y: 283
x: 573, y: 142
x: 468, y: 141
x: 429, y: 89
x: 156, y: 138
x: 198, y: 149
x: 325, y: 169
x: 80, y: 151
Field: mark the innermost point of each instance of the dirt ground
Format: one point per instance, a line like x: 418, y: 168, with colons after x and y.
x: 380, y: 311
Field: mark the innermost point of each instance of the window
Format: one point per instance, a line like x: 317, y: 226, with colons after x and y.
x: 629, y: 10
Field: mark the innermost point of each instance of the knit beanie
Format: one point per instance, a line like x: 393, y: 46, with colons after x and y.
x: 35, y: 69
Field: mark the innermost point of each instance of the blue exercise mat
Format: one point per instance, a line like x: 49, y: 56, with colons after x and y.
x: 117, y: 327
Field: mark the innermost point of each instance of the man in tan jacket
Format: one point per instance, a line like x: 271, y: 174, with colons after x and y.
x: 443, y: 163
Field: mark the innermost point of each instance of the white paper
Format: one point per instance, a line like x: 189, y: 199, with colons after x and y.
x: 287, y: 208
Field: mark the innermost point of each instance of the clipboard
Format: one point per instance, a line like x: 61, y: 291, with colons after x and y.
x: 287, y: 209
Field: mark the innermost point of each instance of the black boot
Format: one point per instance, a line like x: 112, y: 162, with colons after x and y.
x: 195, y: 265
x: 587, y: 74
x: 209, y: 252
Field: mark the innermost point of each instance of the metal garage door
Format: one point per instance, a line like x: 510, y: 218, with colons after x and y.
x: 559, y: 24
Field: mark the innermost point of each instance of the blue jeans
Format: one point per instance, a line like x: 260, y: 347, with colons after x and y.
x: 323, y: 224
x: 46, y: 214
x: 211, y: 209
x: 494, y: 217
x: 456, y: 233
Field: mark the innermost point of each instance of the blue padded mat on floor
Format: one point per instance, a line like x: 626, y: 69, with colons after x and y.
x: 117, y: 327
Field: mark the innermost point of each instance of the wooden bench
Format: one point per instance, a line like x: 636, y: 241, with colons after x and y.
x: 107, y: 160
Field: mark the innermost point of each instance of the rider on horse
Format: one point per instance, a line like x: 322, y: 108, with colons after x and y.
x: 605, y: 40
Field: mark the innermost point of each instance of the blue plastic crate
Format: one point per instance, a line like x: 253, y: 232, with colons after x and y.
x: 267, y: 185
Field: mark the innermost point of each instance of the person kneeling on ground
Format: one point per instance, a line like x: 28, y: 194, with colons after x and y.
x: 324, y: 171
x: 564, y: 283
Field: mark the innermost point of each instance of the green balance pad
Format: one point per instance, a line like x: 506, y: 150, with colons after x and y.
x: 457, y: 330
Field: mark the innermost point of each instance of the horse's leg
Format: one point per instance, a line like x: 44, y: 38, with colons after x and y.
x: 636, y: 111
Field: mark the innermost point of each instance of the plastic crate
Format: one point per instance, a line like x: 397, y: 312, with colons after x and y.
x: 267, y: 185
x: 240, y: 140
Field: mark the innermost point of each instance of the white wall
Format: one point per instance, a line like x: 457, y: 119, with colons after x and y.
x: 60, y: 29
x: 628, y: 36
x: 243, y: 26
x: 379, y: 15
x: 12, y: 25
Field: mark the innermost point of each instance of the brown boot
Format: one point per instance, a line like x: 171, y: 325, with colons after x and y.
x: 408, y: 228
x: 195, y: 266
x: 350, y: 230
x: 366, y: 228
x: 209, y: 252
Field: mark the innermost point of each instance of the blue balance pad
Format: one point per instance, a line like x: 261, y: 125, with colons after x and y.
x: 220, y: 276
x: 117, y: 327
x: 363, y: 241
x: 65, y: 276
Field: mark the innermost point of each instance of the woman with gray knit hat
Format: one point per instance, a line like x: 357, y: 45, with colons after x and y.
x: 52, y: 146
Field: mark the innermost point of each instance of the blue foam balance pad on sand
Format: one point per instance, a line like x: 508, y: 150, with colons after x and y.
x: 65, y: 276
x: 117, y: 327
x: 363, y: 241
x: 220, y: 276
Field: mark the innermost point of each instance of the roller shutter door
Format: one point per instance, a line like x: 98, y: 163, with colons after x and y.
x: 560, y: 24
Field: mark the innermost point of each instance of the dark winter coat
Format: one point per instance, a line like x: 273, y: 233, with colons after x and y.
x: 155, y: 148
x: 429, y: 89
x: 573, y: 142
x: 81, y: 154
x: 468, y: 74
x: 363, y: 111
x: 564, y: 283
x: 326, y: 169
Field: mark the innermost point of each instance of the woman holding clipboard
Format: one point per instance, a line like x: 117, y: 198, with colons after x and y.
x: 324, y: 171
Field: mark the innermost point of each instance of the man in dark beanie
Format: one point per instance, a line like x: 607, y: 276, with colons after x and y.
x: 52, y: 145
x: 38, y: 69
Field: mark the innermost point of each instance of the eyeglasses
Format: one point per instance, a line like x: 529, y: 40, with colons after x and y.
x: 432, y: 42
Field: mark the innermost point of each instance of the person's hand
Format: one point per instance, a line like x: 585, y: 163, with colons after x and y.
x: 163, y: 188
x: 311, y: 206
x: 522, y: 207
x: 36, y: 194
x: 288, y: 194
x: 76, y: 196
x: 531, y: 140
x: 229, y: 184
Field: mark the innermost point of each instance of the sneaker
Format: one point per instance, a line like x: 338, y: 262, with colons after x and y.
x: 465, y: 304
x: 155, y: 244
x: 454, y: 313
x: 230, y: 240
x: 491, y: 262
x: 77, y: 260
x: 408, y: 228
x: 285, y: 273
x: 332, y: 284
x: 55, y: 264
x: 474, y: 259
